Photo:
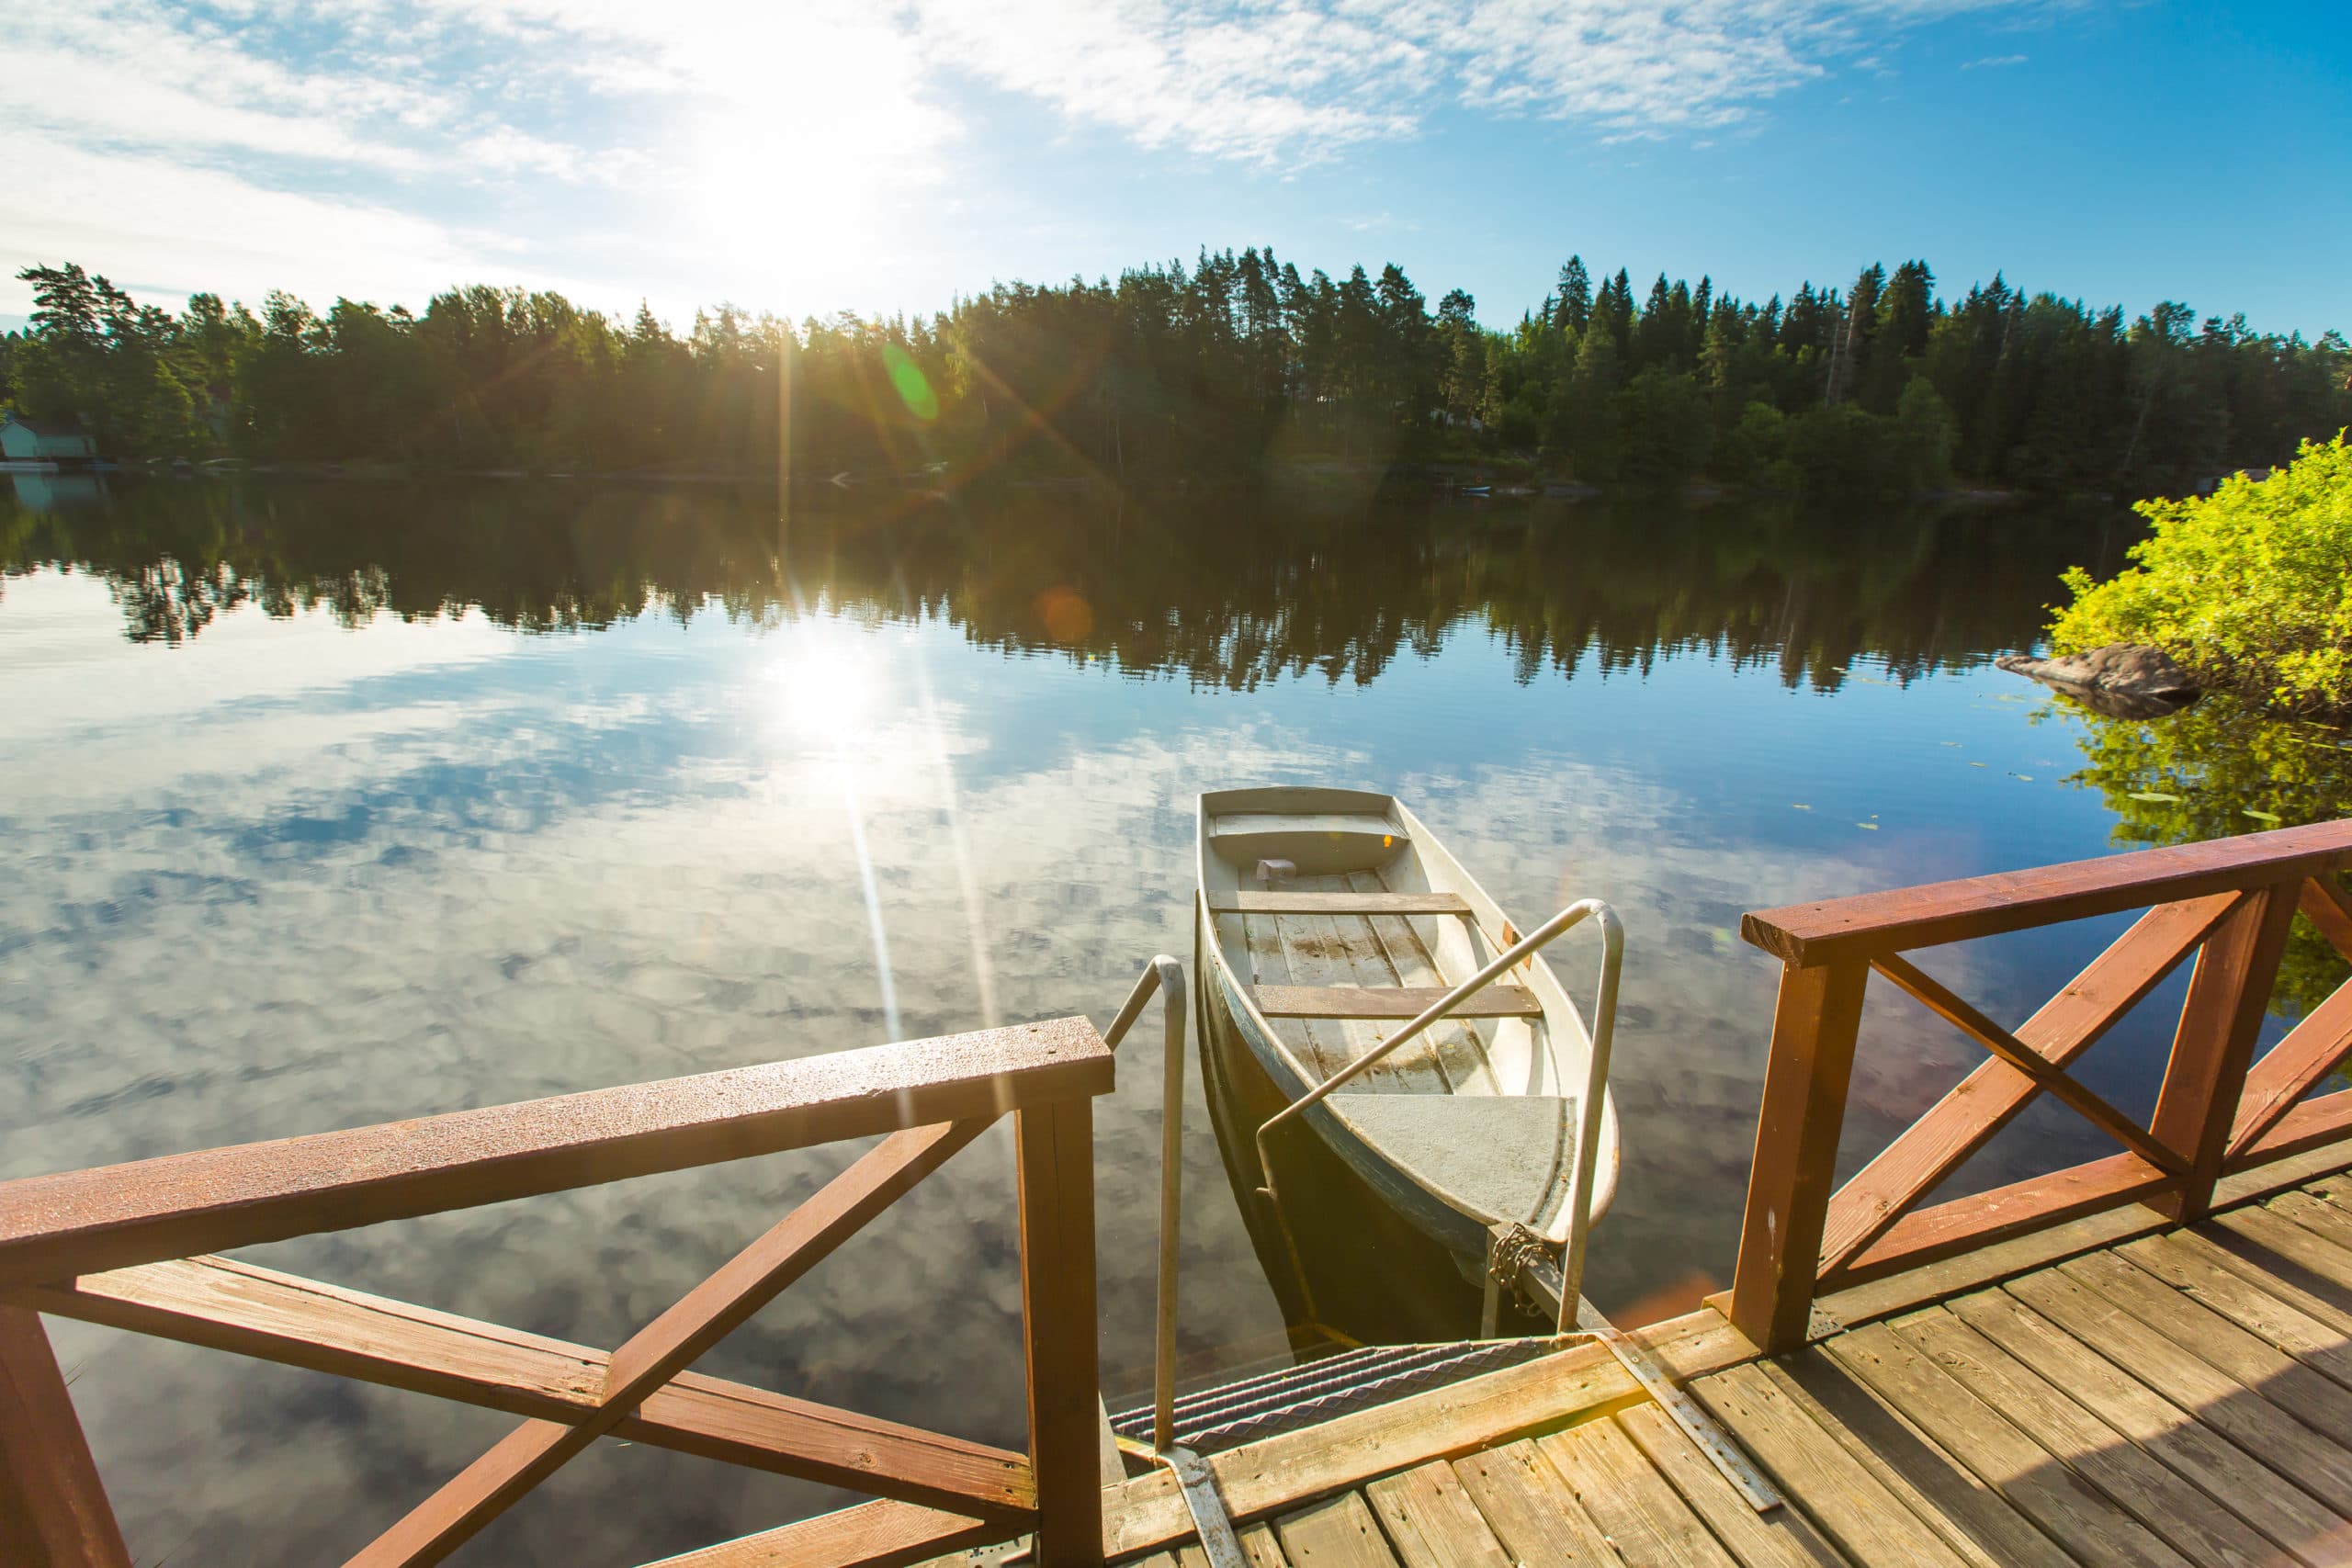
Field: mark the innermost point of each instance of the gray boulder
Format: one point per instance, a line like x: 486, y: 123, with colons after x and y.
x: 2122, y: 680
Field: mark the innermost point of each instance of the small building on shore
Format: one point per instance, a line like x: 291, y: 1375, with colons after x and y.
x: 25, y: 440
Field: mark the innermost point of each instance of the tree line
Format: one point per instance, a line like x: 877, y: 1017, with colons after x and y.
x: 1218, y: 370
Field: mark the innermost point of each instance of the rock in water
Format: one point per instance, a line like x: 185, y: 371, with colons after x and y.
x: 2122, y: 680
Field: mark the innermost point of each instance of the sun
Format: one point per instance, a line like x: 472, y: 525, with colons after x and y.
x: 824, y: 683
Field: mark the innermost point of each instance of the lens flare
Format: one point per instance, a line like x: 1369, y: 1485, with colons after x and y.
x: 908, y: 380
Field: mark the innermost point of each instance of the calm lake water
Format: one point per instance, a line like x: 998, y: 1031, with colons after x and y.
x: 329, y: 804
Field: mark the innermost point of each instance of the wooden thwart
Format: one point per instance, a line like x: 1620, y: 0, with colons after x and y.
x: 1295, y: 903
x: 1390, y: 1001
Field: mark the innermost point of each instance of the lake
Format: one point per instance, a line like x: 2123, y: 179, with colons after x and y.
x: 331, y: 804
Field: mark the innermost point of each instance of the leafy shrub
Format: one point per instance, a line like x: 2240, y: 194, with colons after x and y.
x: 2250, y: 587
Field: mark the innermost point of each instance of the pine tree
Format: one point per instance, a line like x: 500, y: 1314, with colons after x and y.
x: 1575, y: 308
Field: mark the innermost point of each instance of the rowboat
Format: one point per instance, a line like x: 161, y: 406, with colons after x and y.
x: 1330, y: 915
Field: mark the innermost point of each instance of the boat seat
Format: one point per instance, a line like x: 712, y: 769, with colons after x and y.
x: 1281, y: 902
x: 1510, y: 1157
x: 1390, y: 1001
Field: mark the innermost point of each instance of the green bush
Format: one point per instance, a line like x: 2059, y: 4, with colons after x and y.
x: 2250, y: 587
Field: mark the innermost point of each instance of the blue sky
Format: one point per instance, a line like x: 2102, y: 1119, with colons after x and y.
x: 805, y: 157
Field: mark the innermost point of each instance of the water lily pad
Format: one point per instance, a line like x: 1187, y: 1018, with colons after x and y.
x: 1799, y: 805
x: 1975, y: 764
x: 2157, y: 795
x: 1870, y: 827
x: 2261, y: 816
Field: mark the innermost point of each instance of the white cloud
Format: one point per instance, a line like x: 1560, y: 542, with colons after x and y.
x: 778, y: 152
x: 1994, y: 61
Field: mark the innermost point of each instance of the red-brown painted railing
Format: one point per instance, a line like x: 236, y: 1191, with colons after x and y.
x: 2229, y: 901
x: 122, y: 1246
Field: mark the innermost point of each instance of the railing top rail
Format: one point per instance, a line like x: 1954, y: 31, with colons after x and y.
x: 1874, y: 923
x: 52, y: 1228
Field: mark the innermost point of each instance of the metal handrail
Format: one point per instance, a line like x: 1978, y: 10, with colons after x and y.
x: 1166, y: 976
x: 1604, y: 1029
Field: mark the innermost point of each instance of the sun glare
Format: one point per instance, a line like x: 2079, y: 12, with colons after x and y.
x: 824, y: 683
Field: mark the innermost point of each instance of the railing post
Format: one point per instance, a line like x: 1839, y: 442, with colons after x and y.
x: 1055, y: 1147
x: 2229, y: 992
x: 1813, y: 1026
x: 53, y: 1508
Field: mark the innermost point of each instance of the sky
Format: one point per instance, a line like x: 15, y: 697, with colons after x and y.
x: 807, y: 157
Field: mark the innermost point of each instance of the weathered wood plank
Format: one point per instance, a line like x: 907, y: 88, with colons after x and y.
x: 2264, y: 1313
x: 1814, y: 1021
x: 1258, y: 1545
x: 1989, y: 1098
x: 1497, y: 1000
x: 871, y: 1535
x: 2257, y: 1493
x: 2001, y: 1214
x: 1322, y: 970
x: 2315, y: 1400
x: 2171, y: 1508
x: 1431, y: 1522
x: 1782, y: 1539
x: 177, y: 1205
x: 2258, y: 1238
x: 1053, y: 1157
x: 2263, y: 1429
x: 1341, y: 1533
x: 1646, y: 1520
x: 1532, y: 1510
x: 2229, y: 992
x: 1902, y: 919
x: 1971, y: 1516
x: 2071, y: 1512
x: 1359, y: 902
x: 1459, y: 1048
x: 1867, y: 1510
x: 53, y: 1507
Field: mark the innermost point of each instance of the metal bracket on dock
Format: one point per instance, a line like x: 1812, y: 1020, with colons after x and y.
x: 1518, y: 1262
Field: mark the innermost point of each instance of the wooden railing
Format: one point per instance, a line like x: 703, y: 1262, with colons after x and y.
x: 2229, y: 901
x: 121, y: 1247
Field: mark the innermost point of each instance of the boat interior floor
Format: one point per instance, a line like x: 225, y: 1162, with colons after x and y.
x: 1512, y: 1158
x: 1308, y: 960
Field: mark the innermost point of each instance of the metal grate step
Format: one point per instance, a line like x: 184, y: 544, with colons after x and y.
x: 1242, y: 1411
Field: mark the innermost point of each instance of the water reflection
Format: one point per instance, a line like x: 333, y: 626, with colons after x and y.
x: 308, y: 829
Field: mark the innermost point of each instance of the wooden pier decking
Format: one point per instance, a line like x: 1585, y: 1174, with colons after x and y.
x: 2179, y: 1395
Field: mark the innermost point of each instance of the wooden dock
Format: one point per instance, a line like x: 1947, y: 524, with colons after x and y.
x: 2175, y: 1395
x: 2144, y: 1358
